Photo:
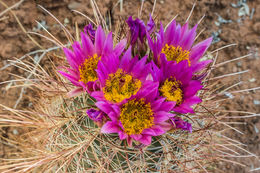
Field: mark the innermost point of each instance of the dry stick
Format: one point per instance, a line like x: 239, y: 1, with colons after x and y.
x: 200, y: 33
x: 13, y: 6
x: 47, y: 38
x: 99, y: 14
x: 121, y: 5
x: 233, y: 44
x: 65, y: 29
x: 26, y: 82
x: 95, y: 13
x: 31, y: 53
x: 235, y: 59
x: 194, y: 4
x: 54, y: 38
x: 250, y: 89
x: 170, y: 22
x: 85, y: 16
x: 201, y: 18
x: 245, y: 116
x: 154, y: 4
x: 141, y: 9
x: 222, y: 92
x: 227, y: 75
x: 21, y: 26
x: 256, y: 169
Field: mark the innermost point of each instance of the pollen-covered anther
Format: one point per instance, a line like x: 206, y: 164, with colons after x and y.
x: 135, y: 116
x: 171, y: 90
x: 120, y: 86
x: 87, y: 69
x: 175, y: 53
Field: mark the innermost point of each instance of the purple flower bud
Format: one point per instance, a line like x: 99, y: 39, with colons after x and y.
x: 90, y: 32
x: 178, y: 123
x: 95, y: 115
x: 150, y: 25
x: 137, y: 29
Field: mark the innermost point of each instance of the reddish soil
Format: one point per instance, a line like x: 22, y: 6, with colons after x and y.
x: 243, y: 30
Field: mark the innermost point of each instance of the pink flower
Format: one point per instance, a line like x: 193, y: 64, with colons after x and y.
x: 121, y: 78
x: 139, y: 118
x: 84, y: 59
x: 176, y: 84
x: 176, y: 44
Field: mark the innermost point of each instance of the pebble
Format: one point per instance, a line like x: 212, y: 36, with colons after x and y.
x: 256, y: 102
x: 74, y: 5
x: 256, y: 129
x: 15, y: 132
x: 66, y: 21
x: 252, y: 80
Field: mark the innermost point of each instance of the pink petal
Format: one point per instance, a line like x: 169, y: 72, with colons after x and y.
x: 87, y: 45
x: 199, y: 49
x: 201, y: 65
x: 110, y: 127
x: 75, y: 92
x: 108, y: 45
x: 120, y: 47
x: 72, y: 79
x: 99, y: 40
x: 70, y: 58
x: 161, y: 116
x: 158, y: 130
x: 122, y: 135
x: 146, y: 139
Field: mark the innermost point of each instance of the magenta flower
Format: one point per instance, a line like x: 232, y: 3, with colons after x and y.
x: 84, y: 59
x: 140, y: 117
x: 178, y: 123
x: 176, y: 84
x: 176, y: 44
x: 120, y: 78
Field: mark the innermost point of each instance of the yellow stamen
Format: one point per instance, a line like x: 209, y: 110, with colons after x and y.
x: 135, y: 116
x: 87, y: 69
x: 120, y: 86
x: 172, y: 91
x: 175, y: 53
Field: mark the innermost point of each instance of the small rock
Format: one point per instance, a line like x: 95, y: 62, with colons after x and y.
x: 74, y: 5
x: 229, y: 95
x: 66, y: 21
x: 239, y: 64
x: 256, y: 129
x: 252, y: 80
x: 256, y: 102
x: 15, y: 132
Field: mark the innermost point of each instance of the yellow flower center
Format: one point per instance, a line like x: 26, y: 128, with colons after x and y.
x: 135, y: 116
x: 87, y: 69
x: 172, y: 91
x: 175, y: 53
x: 120, y: 86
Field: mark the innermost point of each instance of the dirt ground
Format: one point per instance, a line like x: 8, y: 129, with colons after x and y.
x: 228, y: 20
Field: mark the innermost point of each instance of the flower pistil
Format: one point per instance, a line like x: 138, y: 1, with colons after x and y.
x: 87, y: 69
x: 135, y: 116
x: 171, y: 89
x: 175, y: 53
x: 120, y: 86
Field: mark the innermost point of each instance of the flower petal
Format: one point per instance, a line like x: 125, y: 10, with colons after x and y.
x: 110, y: 127
x: 146, y: 139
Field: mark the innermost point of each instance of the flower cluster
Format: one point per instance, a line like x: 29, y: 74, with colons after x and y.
x: 139, y: 96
